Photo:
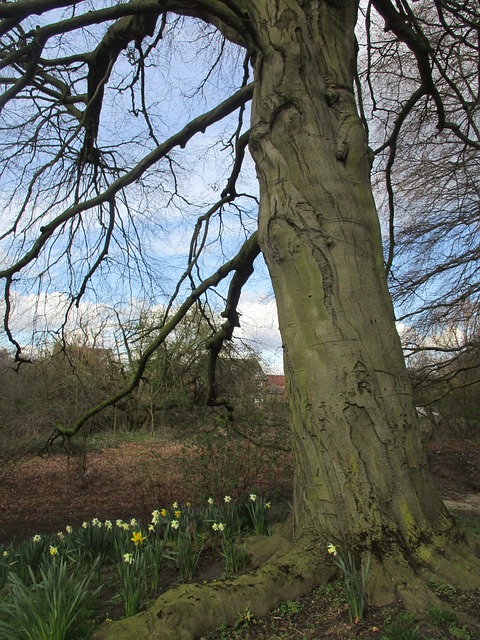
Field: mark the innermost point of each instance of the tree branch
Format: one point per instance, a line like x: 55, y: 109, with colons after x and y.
x: 238, y: 262
x: 180, y: 139
x: 214, y: 345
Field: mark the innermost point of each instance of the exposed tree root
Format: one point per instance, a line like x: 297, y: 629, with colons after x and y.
x: 288, y: 572
x: 189, y: 611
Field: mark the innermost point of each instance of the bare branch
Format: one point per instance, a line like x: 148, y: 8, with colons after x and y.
x: 180, y: 139
x: 238, y: 262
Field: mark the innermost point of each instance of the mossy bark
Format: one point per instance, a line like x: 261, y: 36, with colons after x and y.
x: 191, y: 610
x: 361, y: 475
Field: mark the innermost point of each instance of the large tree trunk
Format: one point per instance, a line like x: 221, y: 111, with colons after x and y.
x: 361, y: 476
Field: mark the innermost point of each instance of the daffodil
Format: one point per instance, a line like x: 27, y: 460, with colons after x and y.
x: 128, y: 558
x: 210, y: 501
x: 268, y: 505
x: 253, y: 497
x: 177, y: 513
x: 53, y: 550
x: 174, y: 524
x: 227, y: 499
x: 68, y: 529
x: 133, y: 522
x: 5, y: 554
x: 119, y: 523
x: 137, y: 538
x: 188, y: 504
x: 175, y: 505
x: 60, y: 535
x: 96, y: 523
x: 163, y: 513
x: 332, y: 549
x: 218, y: 526
x: 36, y: 538
x: 84, y: 525
x: 108, y: 524
x: 151, y: 528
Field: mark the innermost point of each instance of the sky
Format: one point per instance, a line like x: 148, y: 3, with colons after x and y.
x: 159, y: 221
x: 180, y: 84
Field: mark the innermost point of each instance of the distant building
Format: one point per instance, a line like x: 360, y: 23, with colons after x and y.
x: 274, y: 385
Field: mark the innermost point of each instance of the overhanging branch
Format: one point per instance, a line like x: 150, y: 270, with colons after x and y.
x: 240, y: 262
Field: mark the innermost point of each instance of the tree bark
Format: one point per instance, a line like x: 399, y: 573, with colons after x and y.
x: 361, y: 475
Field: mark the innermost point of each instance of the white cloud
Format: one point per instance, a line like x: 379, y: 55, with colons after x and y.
x: 259, y: 328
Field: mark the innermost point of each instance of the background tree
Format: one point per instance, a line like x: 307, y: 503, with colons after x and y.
x: 430, y: 166
x: 79, y: 195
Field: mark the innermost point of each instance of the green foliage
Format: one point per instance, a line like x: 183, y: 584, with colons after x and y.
x: 94, y: 542
x: 441, y: 616
x: 244, y: 619
x: 54, y: 607
x: 289, y: 609
x: 333, y: 593
x: 189, y: 549
x: 63, y: 565
x: 402, y: 627
x: 442, y: 589
x: 234, y: 556
x: 462, y: 633
x: 257, y: 510
x: 354, y: 580
x: 131, y: 569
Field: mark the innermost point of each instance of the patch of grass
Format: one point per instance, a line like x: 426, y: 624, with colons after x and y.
x: 441, y: 616
x: 55, y: 606
x: 462, y: 633
x: 288, y: 609
x: 470, y: 521
x: 402, y: 627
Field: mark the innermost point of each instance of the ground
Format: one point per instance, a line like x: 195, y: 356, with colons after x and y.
x: 121, y: 479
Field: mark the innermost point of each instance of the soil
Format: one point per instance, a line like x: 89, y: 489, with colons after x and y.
x: 43, y: 493
x: 131, y: 478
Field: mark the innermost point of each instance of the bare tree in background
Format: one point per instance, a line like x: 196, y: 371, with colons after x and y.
x: 431, y: 168
x: 86, y: 147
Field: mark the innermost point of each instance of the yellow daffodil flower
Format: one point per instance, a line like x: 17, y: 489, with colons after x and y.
x: 137, y: 538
